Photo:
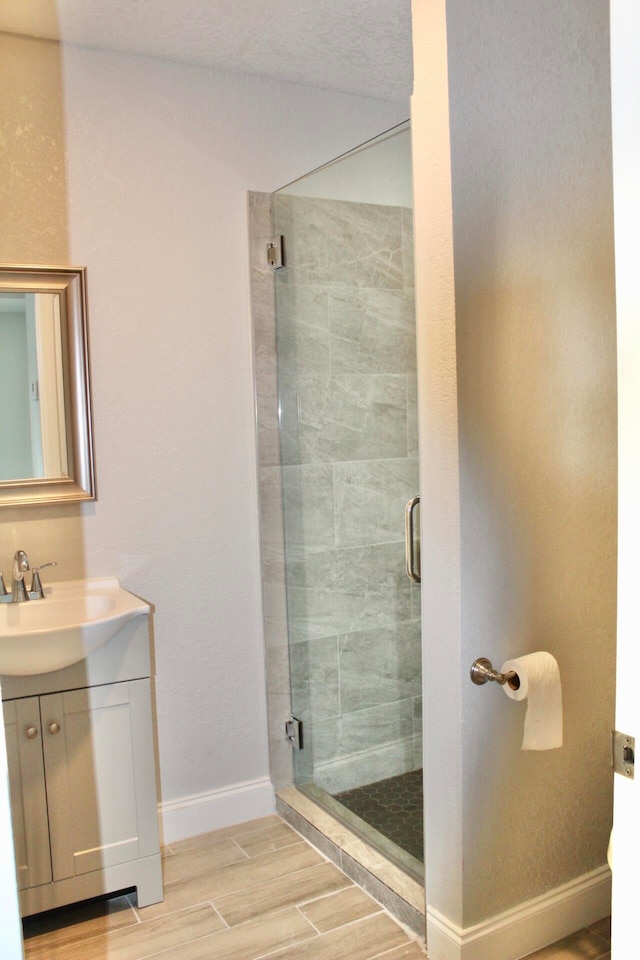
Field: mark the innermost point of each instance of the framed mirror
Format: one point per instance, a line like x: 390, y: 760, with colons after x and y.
x: 46, y: 446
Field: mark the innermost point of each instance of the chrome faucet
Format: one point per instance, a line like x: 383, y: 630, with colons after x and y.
x: 20, y: 566
x: 19, y: 592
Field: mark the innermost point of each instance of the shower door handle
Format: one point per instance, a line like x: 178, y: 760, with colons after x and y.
x: 412, y: 554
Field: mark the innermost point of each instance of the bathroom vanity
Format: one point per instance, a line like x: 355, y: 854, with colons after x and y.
x: 82, y: 774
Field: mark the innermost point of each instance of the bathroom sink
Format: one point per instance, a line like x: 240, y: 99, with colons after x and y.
x: 72, y: 621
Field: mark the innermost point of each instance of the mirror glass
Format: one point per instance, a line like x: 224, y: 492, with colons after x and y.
x: 46, y: 451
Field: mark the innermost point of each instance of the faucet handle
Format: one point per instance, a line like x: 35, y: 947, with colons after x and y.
x: 36, y: 582
x: 3, y: 589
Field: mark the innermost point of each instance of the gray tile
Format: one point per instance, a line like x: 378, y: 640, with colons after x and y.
x: 372, y: 331
x: 303, y: 329
x: 264, y: 329
x: 341, y: 591
x: 308, y: 508
x: 404, y: 911
x: 268, y: 426
x: 407, y: 248
x: 413, y: 442
x: 287, y: 419
x: 308, y: 831
x: 277, y: 662
x: 340, y: 243
x: 417, y: 715
x: 280, y: 753
x: 368, y: 765
x: 416, y: 601
x: 260, y: 214
x: 275, y: 613
x: 271, y: 522
x: 362, y: 729
x: 371, y: 496
x: 418, y: 752
x: 355, y: 417
x: 380, y: 666
x: 314, y: 678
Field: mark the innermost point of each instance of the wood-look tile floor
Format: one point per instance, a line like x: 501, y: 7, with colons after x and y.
x: 246, y: 892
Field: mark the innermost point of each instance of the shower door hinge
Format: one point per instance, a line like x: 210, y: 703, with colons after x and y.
x: 293, y: 732
x: 274, y: 253
x: 624, y: 754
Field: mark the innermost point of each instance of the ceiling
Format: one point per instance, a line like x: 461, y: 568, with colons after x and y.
x: 358, y: 46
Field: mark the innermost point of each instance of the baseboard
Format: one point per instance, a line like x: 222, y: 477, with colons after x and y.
x: 200, y: 813
x: 527, y: 927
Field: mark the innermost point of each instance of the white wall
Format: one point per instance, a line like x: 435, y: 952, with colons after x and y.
x: 139, y: 169
x: 625, y: 82
x: 377, y: 173
x: 516, y: 315
x: 439, y: 469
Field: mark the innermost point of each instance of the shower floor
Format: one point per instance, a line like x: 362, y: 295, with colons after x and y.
x: 394, y: 807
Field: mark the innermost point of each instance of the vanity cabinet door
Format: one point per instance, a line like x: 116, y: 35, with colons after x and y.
x: 23, y: 732
x: 98, y: 755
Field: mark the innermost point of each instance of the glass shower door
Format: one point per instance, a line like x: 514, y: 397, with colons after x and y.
x: 349, y: 453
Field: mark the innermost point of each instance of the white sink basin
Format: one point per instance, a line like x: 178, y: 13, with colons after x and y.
x: 72, y: 621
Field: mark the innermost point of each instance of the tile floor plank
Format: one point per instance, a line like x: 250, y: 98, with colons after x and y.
x: 257, y: 938
x: 271, y: 838
x: 237, y: 830
x: 282, y: 892
x: 144, y: 939
x: 198, y: 860
x: 412, y: 951
x: 359, y: 941
x: 232, y: 879
x: 583, y: 945
x: 248, y: 892
x: 61, y: 928
x: 339, y: 908
x: 602, y: 928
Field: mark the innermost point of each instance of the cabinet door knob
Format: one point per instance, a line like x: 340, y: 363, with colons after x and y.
x: 31, y: 732
x: 54, y: 727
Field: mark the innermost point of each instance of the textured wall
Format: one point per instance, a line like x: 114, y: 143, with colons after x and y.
x: 531, y: 235
x: 442, y: 669
x: 346, y: 374
x: 139, y: 169
x: 535, y: 307
x: 625, y: 83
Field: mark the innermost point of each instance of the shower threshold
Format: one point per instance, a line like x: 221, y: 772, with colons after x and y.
x: 373, y: 825
x: 391, y: 876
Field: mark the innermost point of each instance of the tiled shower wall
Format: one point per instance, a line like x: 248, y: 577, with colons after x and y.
x: 348, y: 448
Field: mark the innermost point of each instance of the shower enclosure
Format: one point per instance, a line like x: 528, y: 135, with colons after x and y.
x: 347, y: 411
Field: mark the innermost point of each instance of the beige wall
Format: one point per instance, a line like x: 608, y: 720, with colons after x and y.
x: 533, y: 420
x: 139, y: 170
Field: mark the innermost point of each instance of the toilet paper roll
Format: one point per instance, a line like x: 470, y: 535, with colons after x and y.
x: 540, y: 686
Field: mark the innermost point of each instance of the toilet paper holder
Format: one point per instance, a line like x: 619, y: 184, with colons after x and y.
x: 482, y: 671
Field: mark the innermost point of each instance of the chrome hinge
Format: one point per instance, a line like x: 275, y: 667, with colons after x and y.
x: 274, y: 253
x: 624, y: 753
x: 293, y: 732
